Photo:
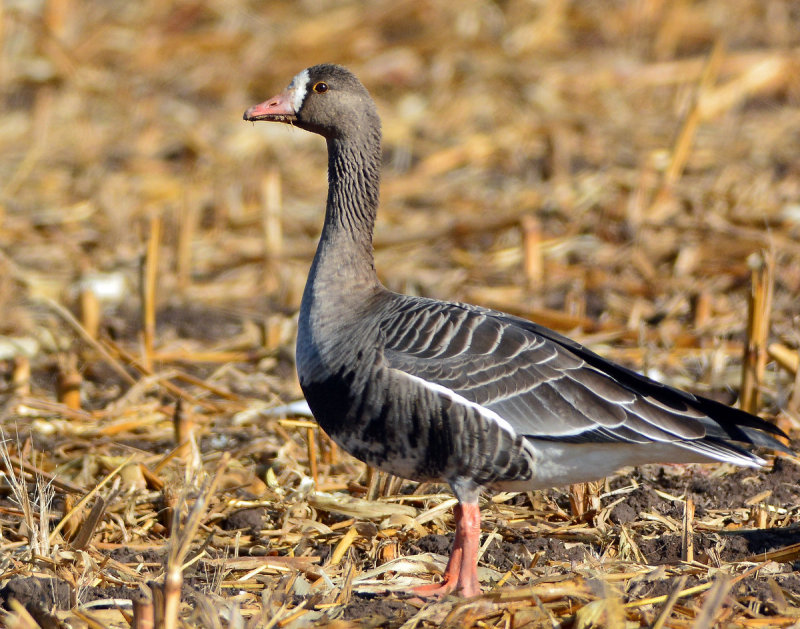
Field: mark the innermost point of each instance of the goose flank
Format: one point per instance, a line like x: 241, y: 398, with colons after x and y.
x: 449, y: 392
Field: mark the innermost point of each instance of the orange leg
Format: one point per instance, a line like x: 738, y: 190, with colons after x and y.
x: 461, y: 574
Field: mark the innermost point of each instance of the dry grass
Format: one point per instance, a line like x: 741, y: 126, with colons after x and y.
x: 608, y: 169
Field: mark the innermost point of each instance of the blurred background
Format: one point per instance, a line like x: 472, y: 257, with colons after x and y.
x: 607, y: 168
x: 626, y: 172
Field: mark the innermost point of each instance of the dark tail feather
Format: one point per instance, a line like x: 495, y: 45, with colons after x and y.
x: 740, y: 425
x: 725, y: 422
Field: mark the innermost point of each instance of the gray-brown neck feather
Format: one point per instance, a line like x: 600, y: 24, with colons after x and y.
x: 344, y: 255
x: 342, y: 280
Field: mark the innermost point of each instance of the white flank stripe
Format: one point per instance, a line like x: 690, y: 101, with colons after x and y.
x: 298, y: 85
x: 460, y: 399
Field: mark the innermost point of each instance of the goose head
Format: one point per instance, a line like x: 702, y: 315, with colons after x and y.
x: 325, y: 99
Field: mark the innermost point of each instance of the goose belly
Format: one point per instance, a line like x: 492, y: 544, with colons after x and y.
x: 557, y: 464
x: 365, y: 423
x: 410, y: 431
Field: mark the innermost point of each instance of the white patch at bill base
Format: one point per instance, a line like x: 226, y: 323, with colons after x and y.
x: 298, y: 88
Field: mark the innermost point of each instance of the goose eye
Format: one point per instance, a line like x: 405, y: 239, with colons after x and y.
x: 321, y: 87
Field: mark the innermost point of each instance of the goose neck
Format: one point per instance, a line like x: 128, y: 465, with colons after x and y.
x: 353, y: 195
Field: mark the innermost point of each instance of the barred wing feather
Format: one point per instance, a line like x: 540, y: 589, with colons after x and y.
x: 549, y: 387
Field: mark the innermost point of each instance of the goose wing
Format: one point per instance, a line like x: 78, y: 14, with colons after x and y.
x: 546, y: 386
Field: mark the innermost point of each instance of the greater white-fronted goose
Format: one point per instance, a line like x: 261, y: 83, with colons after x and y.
x: 439, y: 391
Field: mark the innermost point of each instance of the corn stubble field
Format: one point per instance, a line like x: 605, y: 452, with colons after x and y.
x: 626, y: 173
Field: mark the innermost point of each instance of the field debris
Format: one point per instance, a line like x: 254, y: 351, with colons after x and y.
x: 625, y: 173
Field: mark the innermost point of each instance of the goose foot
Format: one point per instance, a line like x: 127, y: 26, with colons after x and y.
x: 461, y: 574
